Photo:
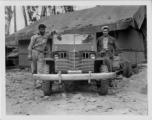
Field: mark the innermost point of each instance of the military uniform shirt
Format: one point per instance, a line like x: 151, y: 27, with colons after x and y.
x: 39, y: 42
x: 105, y: 43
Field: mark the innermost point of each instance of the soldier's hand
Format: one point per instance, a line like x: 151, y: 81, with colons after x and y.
x: 46, y: 52
x: 116, y: 54
x: 59, y: 37
x: 101, y: 52
x: 55, y: 31
x: 29, y: 57
x: 111, y: 57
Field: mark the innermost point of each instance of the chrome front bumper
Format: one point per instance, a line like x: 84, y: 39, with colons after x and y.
x: 68, y: 77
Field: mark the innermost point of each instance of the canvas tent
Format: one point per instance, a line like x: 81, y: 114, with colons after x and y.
x: 126, y: 24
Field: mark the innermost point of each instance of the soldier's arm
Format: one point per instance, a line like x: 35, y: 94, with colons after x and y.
x: 31, y: 45
x: 53, y: 32
x: 50, y: 34
x: 98, y: 44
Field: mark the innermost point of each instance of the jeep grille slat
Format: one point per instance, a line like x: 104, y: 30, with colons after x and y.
x: 80, y: 62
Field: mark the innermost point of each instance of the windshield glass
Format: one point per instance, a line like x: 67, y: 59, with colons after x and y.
x: 75, y: 39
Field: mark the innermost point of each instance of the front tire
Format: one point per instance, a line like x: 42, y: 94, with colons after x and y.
x: 47, y: 85
x: 104, y: 84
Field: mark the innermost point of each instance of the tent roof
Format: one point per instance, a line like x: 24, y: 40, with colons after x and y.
x: 86, y: 21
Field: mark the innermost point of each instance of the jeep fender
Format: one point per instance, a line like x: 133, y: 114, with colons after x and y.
x: 100, y: 61
x: 51, y: 64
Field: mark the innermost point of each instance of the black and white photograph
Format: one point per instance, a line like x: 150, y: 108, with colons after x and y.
x: 76, y: 59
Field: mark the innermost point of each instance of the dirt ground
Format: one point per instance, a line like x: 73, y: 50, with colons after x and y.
x: 128, y: 97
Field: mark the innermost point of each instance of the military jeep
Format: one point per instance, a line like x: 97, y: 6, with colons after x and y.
x: 75, y: 58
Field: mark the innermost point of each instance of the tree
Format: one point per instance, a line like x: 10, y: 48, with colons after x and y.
x: 68, y: 9
x: 32, y: 12
x: 33, y: 15
x: 24, y: 14
x: 88, y: 39
x: 50, y: 10
x: 44, y: 11
x: 15, y: 27
x: 8, y: 17
x: 54, y: 10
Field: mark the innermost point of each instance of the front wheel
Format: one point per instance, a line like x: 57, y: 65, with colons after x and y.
x: 47, y: 85
x: 102, y: 87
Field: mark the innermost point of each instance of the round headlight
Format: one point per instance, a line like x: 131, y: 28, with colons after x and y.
x: 56, y: 56
x: 92, y: 56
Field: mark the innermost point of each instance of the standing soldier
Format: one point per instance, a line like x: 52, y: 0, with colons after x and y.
x: 107, y: 45
x: 36, y: 50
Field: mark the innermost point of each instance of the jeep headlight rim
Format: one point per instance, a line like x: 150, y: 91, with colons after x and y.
x: 92, y: 56
x: 56, y: 56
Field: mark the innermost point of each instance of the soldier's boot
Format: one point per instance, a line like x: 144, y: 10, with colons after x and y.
x: 110, y: 83
x: 38, y: 84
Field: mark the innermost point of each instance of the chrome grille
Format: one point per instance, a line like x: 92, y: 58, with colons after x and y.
x: 75, y: 61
